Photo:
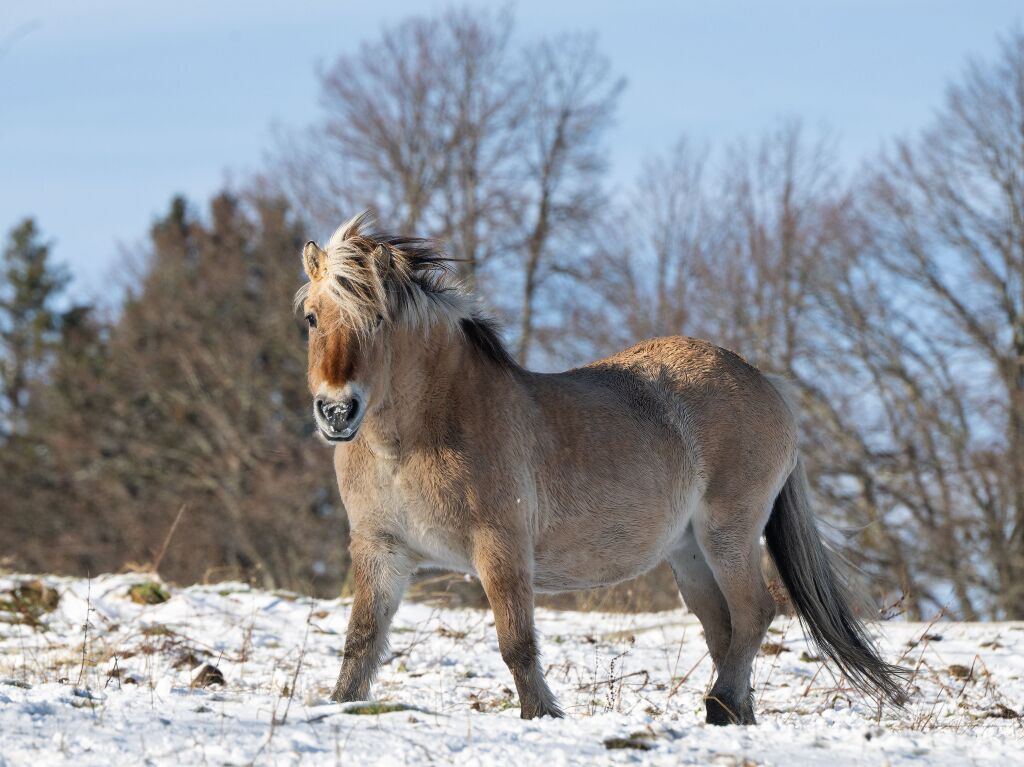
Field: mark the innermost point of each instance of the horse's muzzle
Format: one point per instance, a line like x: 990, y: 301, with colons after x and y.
x: 338, y: 420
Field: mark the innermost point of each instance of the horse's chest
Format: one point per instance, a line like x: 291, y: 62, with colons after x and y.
x: 426, y: 515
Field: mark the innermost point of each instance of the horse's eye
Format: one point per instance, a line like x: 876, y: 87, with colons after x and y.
x: 311, y: 319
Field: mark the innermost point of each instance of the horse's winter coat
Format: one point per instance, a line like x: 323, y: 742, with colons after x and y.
x: 448, y: 454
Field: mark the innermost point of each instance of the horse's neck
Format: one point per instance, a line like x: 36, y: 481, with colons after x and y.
x: 425, y: 372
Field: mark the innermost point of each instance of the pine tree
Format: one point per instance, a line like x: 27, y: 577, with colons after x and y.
x: 30, y: 284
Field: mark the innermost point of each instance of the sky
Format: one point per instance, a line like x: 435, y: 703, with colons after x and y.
x: 110, y: 107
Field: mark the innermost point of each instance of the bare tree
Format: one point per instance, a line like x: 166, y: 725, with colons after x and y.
x: 947, y: 211
x: 746, y: 257
x: 446, y: 130
x: 795, y: 284
x: 572, y: 103
x: 776, y: 198
x: 642, y: 280
x: 418, y: 125
x: 894, y: 453
x: 729, y: 257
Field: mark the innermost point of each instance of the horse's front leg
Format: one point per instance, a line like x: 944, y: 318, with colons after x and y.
x: 381, y: 573
x: 503, y: 565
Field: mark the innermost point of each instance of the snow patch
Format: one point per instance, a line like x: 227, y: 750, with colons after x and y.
x: 104, y: 680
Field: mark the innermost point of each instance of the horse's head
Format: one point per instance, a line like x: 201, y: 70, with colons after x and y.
x: 362, y: 289
x: 338, y: 354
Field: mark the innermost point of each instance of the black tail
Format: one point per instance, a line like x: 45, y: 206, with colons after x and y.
x: 822, y: 600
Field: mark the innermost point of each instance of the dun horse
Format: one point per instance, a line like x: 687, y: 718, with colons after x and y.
x: 449, y: 454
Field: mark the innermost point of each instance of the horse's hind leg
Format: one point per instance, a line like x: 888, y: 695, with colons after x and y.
x: 701, y: 594
x: 730, y: 540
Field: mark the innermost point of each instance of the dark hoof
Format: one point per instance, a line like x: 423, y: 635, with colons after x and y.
x: 722, y: 712
x: 342, y: 696
x: 539, y: 710
x: 719, y: 713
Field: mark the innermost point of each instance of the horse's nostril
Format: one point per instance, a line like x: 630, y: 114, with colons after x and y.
x: 337, y: 416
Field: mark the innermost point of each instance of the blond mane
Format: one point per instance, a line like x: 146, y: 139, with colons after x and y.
x: 377, y: 278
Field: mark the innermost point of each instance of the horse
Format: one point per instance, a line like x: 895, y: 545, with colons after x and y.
x: 451, y: 455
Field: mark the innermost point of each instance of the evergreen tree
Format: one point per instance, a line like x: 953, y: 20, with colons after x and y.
x: 30, y: 284
x: 192, y: 395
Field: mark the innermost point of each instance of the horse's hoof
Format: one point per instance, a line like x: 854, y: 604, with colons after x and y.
x: 534, y: 712
x: 341, y: 696
x: 720, y: 712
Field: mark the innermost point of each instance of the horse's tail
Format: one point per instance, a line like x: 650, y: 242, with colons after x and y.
x: 822, y: 599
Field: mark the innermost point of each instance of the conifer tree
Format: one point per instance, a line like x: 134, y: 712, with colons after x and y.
x: 30, y: 285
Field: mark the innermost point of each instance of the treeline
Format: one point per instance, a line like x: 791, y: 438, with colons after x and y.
x: 893, y: 296
x: 191, y: 399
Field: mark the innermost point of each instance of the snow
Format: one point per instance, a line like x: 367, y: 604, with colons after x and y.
x: 102, y: 680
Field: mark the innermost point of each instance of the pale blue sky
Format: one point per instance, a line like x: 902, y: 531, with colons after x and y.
x: 108, y: 107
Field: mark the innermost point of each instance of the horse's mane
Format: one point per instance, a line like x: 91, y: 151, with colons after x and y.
x: 378, y: 277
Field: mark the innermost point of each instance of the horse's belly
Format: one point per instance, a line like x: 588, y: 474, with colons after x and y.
x: 582, y: 552
x: 575, y: 575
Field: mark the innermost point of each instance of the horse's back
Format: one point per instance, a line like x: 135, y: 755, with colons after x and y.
x: 671, y: 392
x: 682, y: 365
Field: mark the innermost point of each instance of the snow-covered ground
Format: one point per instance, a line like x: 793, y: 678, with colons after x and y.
x: 90, y: 677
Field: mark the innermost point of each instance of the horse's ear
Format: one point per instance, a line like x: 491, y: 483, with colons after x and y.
x: 314, y: 259
x: 382, y: 258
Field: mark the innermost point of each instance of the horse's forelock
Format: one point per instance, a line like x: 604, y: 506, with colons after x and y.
x: 373, y: 275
